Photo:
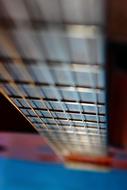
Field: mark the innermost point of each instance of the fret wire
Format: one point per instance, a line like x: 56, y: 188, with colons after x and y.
x: 64, y: 87
x: 73, y: 66
x: 80, y: 108
x: 77, y: 93
x: 69, y: 55
x: 94, y: 92
x: 95, y: 97
x: 54, y: 100
x: 60, y: 111
x: 59, y: 101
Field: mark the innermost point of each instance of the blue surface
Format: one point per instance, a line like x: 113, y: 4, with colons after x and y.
x: 22, y: 175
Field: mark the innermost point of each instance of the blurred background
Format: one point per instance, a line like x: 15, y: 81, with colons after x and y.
x: 63, y: 94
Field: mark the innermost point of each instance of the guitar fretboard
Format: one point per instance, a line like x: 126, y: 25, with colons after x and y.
x: 52, y: 69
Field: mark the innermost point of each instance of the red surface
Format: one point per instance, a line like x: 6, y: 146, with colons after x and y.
x: 29, y: 147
